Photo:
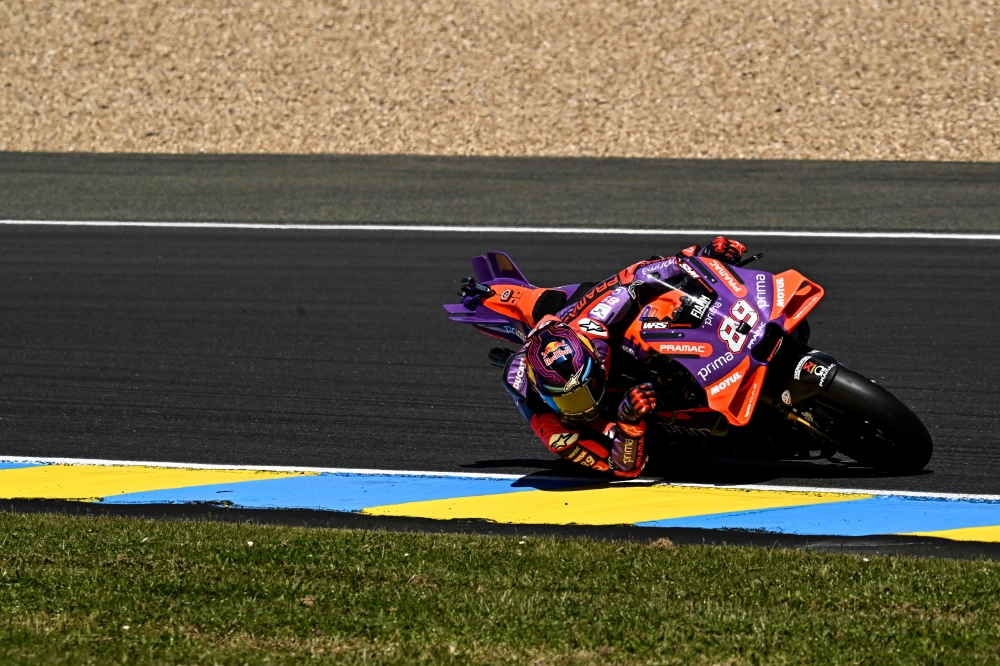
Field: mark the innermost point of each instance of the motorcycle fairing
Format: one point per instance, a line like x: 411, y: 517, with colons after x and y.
x: 509, y: 312
x: 805, y: 294
x: 718, y: 352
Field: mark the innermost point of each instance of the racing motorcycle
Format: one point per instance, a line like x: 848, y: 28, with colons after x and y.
x: 735, y: 344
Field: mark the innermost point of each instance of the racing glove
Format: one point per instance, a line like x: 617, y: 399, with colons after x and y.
x: 725, y: 249
x: 638, y: 401
x: 628, y: 456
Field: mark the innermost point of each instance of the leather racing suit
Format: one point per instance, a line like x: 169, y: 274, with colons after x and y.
x: 614, y: 440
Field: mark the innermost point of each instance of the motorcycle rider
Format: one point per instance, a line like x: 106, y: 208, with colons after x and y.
x: 563, y: 380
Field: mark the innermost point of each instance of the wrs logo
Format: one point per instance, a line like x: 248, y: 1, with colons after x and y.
x: 726, y: 383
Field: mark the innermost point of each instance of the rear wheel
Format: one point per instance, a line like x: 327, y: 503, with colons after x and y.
x: 871, y: 425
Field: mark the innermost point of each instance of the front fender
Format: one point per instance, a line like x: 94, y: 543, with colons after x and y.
x: 797, y: 373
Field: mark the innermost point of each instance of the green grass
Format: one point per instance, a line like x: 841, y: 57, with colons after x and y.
x: 200, y: 593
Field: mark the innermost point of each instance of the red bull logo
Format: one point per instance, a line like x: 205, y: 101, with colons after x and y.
x: 556, y: 351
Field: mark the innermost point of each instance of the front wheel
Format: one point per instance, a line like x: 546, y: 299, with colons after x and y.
x: 871, y: 425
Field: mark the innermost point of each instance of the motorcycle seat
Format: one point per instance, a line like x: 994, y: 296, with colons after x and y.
x: 553, y: 300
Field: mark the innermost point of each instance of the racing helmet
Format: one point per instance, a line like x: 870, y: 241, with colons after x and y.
x: 565, y: 370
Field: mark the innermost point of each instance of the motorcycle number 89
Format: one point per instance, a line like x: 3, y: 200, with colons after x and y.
x: 729, y: 330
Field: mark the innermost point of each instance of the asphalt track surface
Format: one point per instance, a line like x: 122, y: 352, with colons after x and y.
x: 330, y: 348
x: 758, y: 194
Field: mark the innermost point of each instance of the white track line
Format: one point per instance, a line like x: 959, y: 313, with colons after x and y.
x: 473, y: 475
x: 915, y: 235
x: 249, y: 468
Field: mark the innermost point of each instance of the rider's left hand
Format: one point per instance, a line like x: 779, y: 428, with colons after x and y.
x: 726, y: 249
x: 638, y: 401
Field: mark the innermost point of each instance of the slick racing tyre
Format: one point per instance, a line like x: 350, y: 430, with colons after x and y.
x: 871, y: 425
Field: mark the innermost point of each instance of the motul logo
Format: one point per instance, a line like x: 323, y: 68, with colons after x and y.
x: 779, y: 295
x: 726, y: 383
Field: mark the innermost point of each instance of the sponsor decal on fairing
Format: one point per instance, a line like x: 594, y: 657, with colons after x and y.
x: 516, y: 332
x: 779, y: 292
x: 685, y: 431
x: 699, y: 349
x: 758, y: 332
x: 761, y: 291
x: 600, y: 311
x: 799, y: 312
x: 717, y: 364
x: 690, y: 271
x: 731, y: 380
x: 700, y: 306
x: 750, y: 400
x: 727, y: 278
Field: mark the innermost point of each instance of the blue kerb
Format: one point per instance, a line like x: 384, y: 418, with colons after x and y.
x: 18, y: 465
x: 878, y: 515
x: 336, y: 492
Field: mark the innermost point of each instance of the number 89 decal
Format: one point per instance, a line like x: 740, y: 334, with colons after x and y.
x: 729, y: 330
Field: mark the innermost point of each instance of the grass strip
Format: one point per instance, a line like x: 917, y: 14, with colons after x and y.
x: 120, y: 590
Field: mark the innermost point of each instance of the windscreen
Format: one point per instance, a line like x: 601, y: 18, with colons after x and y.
x: 681, y: 301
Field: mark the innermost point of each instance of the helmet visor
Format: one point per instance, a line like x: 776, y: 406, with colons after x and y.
x: 582, y: 399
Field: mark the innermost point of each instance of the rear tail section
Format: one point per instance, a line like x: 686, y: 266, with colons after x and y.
x: 496, y: 304
x: 501, y: 302
x: 497, y: 266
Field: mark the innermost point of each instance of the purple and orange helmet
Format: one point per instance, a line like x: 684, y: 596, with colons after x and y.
x: 565, y: 370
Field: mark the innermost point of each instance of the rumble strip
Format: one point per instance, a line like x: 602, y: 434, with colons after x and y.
x: 507, y: 498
